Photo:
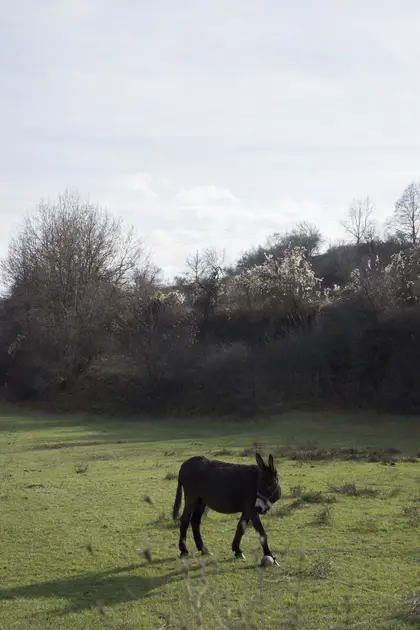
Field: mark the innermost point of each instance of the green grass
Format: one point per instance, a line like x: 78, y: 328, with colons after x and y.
x: 74, y: 519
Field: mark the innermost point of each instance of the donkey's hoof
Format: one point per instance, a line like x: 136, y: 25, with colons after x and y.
x: 240, y: 555
x: 205, y: 552
x: 183, y: 555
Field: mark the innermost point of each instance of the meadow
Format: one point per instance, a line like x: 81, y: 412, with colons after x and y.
x: 88, y: 540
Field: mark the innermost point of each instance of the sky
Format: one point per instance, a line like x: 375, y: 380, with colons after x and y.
x: 209, y: 123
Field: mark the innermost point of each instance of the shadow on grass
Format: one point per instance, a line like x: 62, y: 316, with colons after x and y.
x: 92, y: 430
x: 352, y: 431
x: 108, y: 587
x: 115, y: 586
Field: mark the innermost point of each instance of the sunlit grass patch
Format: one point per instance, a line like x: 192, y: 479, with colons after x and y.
x: 100, y: 549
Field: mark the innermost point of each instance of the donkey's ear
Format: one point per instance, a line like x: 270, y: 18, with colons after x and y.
x: 260, y: 461
x: 271, y: 463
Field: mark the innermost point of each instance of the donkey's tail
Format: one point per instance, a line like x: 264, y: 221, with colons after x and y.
x: 178, y: 499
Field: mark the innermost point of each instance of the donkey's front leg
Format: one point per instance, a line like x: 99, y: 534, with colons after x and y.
x: 259, y: 528
x: 240, y: 530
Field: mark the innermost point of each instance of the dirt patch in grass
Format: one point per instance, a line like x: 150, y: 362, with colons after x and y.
x: 297, y: 491
x: 320, y: 569
x: 366, y: 526
x: 305, y: 497
x: 288, y: 508
x: 350, y: 489
x: 224, y: 452
x: 315, y: 496
x: 165, y: 521
x: 314, y: 453
x: 81, y: 468
x: 412, y: 514
x: 101, y: 458
x: 410, y: 610
x: 323, y: 516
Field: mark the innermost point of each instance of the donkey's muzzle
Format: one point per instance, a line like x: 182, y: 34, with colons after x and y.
x: 262, y: 505
x: 261, y: 510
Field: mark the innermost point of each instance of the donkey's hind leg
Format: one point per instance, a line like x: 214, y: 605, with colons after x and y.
x: 197, y: 514
x: 185, y: 521
x: 240, y: 530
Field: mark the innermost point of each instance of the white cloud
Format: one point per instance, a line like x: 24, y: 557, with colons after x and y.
x: 187, y: 220
x: 212, y: 122
x: 207, y: 203
x: 204, y: 195
x: 139, y: 182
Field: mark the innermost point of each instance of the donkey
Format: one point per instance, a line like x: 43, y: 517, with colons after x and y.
x: 225, y: 488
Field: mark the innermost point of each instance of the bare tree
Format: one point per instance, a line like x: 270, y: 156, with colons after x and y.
x: 406, y: 218
x: 204, y: 264
x: 204, y: 282
x: 72, y: 244
x: 65, y: 270
x: 359, y: 224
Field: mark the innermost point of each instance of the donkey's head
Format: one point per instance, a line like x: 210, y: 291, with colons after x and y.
x: 269, y: 490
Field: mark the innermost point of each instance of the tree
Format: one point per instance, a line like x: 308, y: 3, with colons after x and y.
x: 66, y: 269
x: 305, y: 236
x: 403, y: 273
x: 72, y: 244
x: 406, y: 217
x: 359, y: 224
x: 204, y: 281
x: 205, y: 264
x: 286, y: 287
x: 155, y: 330
x: 252, y: 257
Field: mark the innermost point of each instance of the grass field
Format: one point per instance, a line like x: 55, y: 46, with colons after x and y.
x: 81, y: 497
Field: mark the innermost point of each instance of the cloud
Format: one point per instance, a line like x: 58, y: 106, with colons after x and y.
x: 183, y: 220
x: 204, y: 195
x: 212, y: 122
x: 139, y: 182
x: 207, y: 203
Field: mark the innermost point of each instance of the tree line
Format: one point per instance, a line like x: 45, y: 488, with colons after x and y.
x: 88, y: 323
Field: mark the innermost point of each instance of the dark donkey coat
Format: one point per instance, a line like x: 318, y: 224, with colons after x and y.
x: 227, y: 488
